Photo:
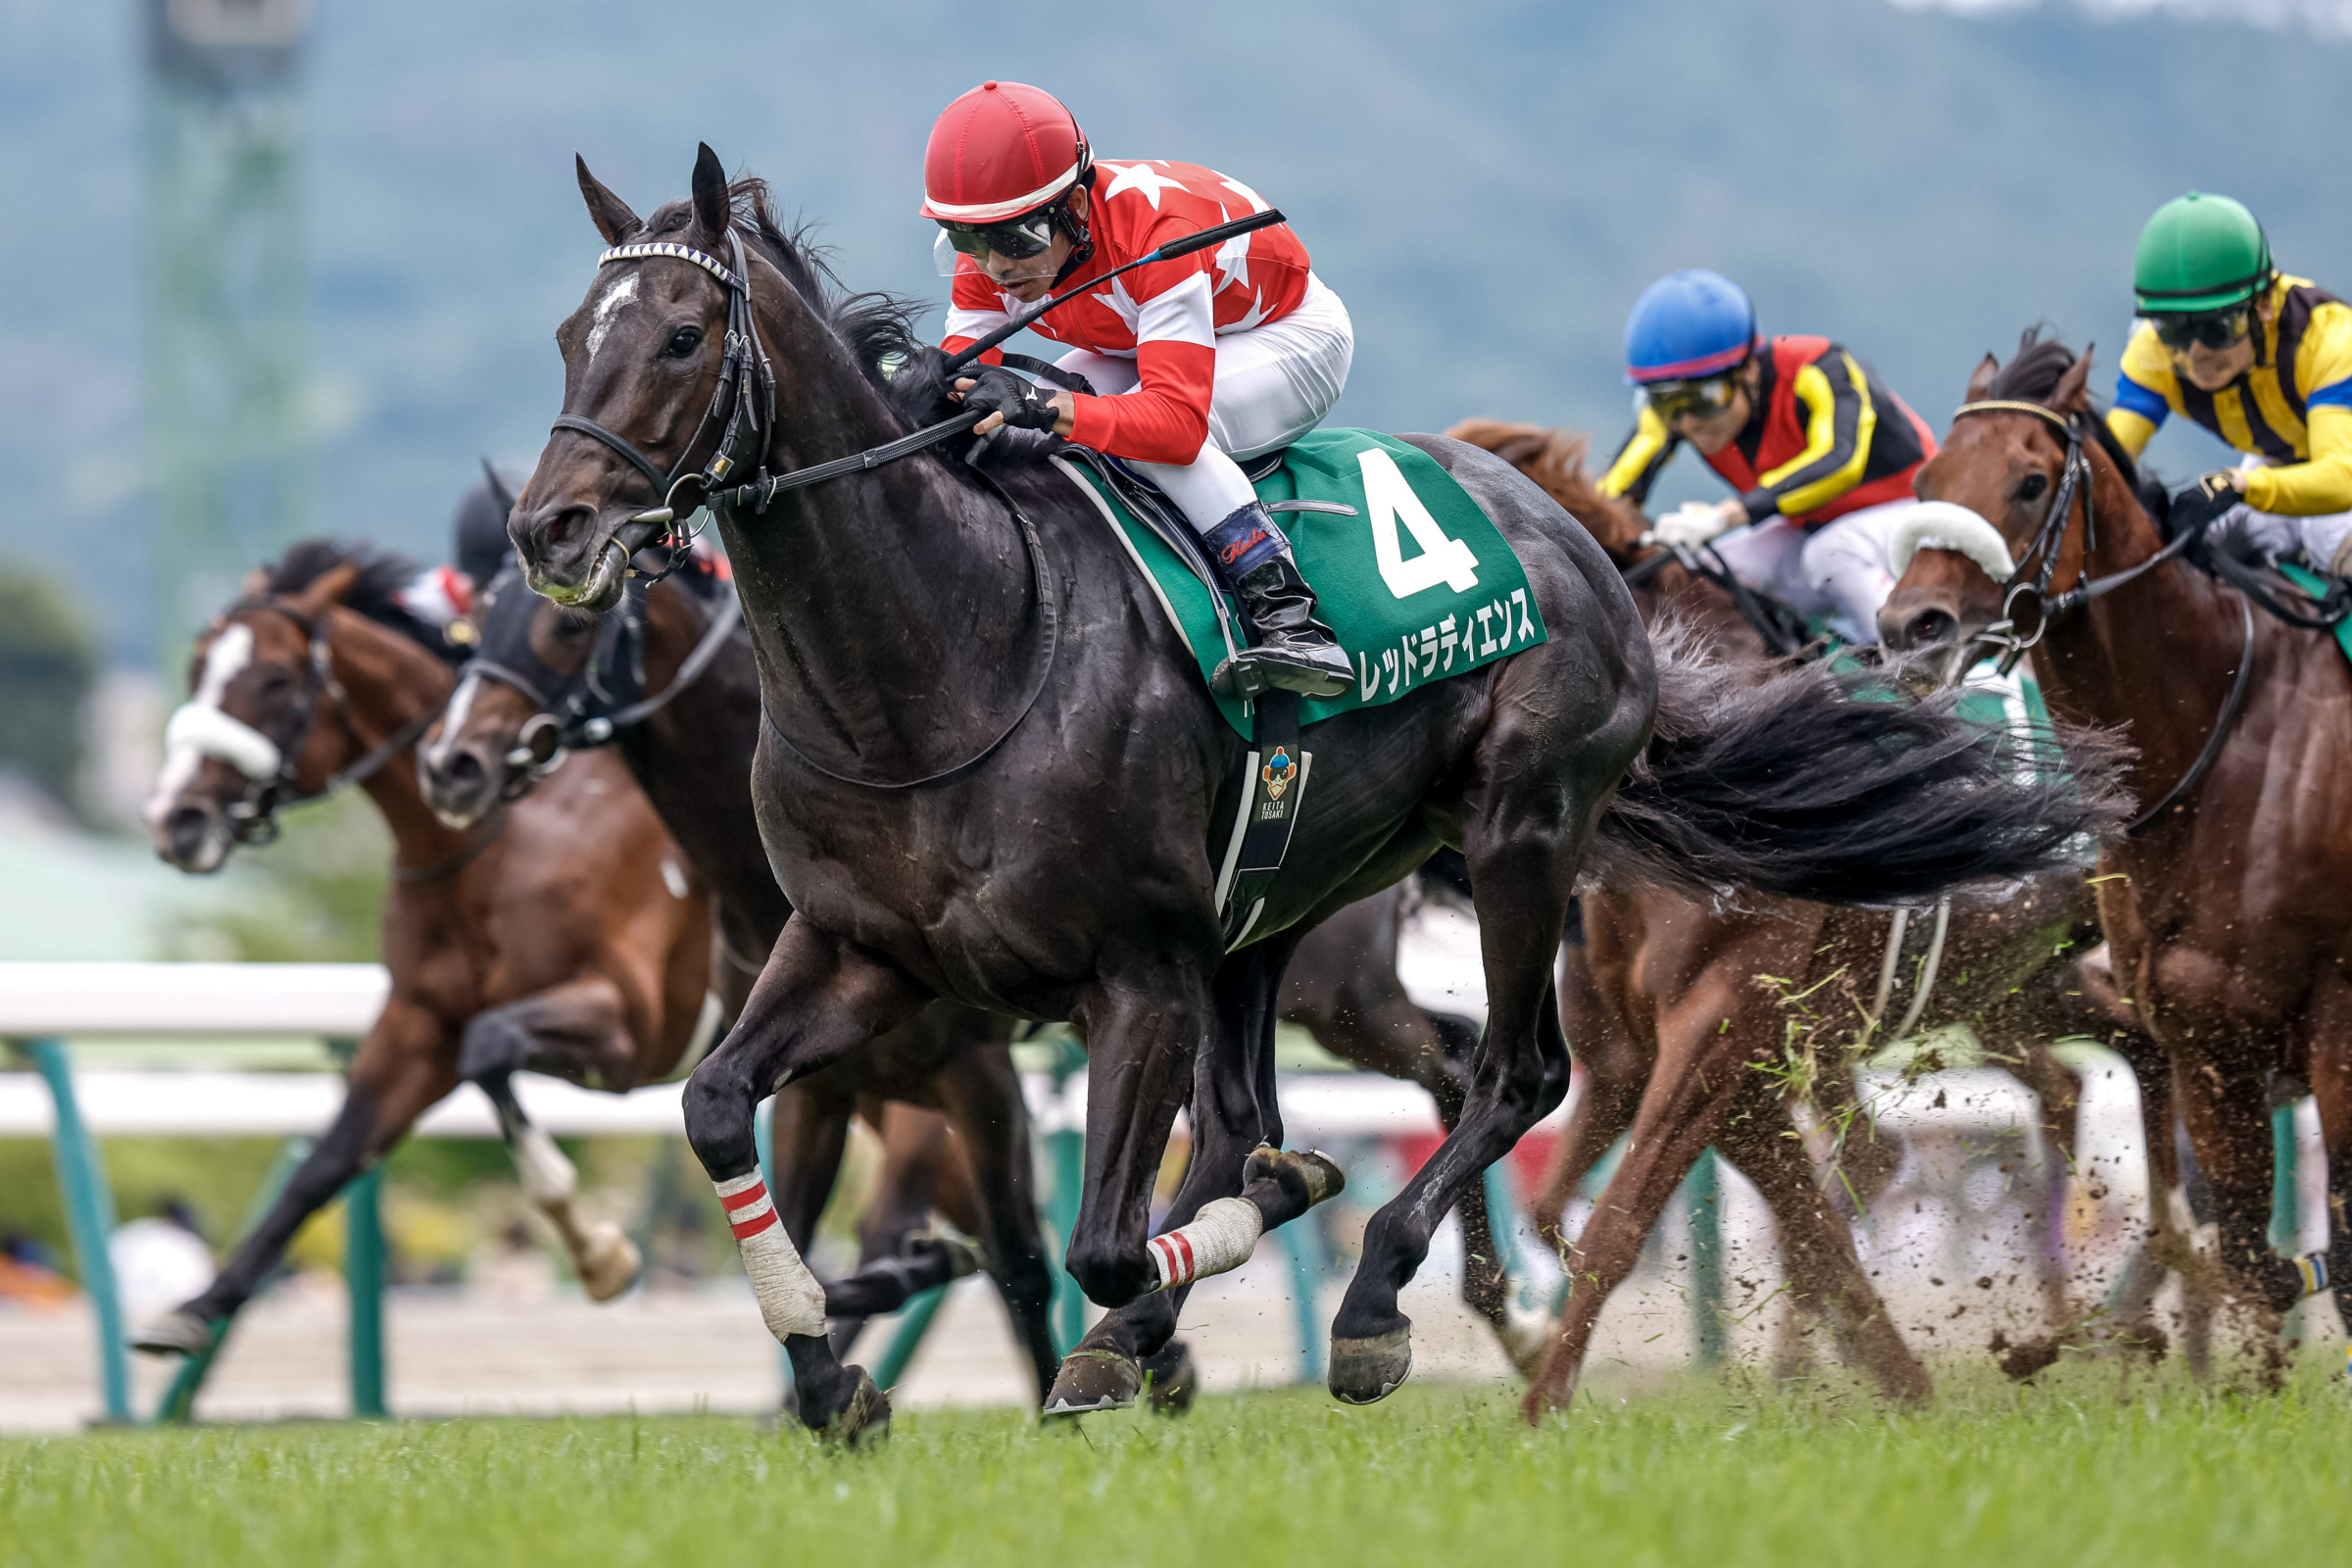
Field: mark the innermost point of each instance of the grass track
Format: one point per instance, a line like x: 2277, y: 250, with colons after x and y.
x: 2069, y: 1474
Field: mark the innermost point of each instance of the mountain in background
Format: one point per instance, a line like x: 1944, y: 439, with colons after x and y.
x: 1487, y: 186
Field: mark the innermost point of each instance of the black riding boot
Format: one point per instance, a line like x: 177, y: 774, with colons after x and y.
x: 1295, y: 651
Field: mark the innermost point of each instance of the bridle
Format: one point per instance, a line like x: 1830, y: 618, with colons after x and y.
x: 745, y: 408
x: 1784, y: 633
x: 253, y: 816
x: 2027, y: 605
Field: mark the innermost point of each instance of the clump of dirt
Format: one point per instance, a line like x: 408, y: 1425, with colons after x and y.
x: 2021, y: 1361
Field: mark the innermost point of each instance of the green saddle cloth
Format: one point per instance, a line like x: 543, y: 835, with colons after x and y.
x: 1416, y: 582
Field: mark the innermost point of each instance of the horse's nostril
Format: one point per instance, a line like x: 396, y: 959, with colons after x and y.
x: 565, y: 523
x: 1930, y: 627
x: 466, y: 768
x: 184, y: 829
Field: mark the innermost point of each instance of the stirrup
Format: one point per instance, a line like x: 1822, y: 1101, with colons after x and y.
x: 1256, y: 670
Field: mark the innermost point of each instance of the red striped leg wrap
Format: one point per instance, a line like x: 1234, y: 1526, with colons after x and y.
x: 1221, y: 1237
x: 791, y: 1300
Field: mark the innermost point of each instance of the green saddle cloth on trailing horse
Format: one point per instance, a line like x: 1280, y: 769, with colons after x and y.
x: 1411, y: 576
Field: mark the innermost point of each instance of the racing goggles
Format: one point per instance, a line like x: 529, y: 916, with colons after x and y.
x: 1701, y: 398
x: 1017, y: 239
x: 2213, y: 329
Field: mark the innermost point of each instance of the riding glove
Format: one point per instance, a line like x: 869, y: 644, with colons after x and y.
x: 1022, y: 403
x: 1693, y: 525
x: 2198, y: 506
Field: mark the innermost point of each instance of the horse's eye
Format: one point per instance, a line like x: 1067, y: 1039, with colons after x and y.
x: 2034, y: 487
x: 685, y: 341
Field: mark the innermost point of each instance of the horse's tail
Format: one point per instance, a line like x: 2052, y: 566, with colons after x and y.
x: 1812, y: 783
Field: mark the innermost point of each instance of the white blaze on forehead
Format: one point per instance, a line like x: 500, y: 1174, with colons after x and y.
x: 185, y: 738
x: 623, y: 290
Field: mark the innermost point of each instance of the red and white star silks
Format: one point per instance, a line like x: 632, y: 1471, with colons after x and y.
x: 1165, y: 316
x: 791, y: 1300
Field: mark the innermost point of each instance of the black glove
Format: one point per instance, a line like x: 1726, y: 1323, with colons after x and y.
x: 997, y: 390
x: 2196, y: 505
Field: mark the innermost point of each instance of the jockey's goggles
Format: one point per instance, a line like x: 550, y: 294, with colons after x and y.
x: 1017, y: 239
x: 2213, y: 329
x: 1699, y: 399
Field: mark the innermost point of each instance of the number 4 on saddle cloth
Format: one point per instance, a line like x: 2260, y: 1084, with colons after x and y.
x: 1414, y: 580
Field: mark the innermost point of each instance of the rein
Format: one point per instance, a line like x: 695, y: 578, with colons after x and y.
x: 1785, y: 636
x: 2032, y: 604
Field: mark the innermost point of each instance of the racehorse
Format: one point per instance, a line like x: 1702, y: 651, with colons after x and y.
x: 2224, y: 905
x: 1684, y: 986
x: 566, y: 930
x: 956, y: 810
x: 546, y: 678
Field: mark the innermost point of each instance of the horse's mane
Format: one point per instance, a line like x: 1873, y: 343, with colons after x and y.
x: 1554, y: 459
x: 2033, y: 375
x: 877, y: 328
x: 372, y: 592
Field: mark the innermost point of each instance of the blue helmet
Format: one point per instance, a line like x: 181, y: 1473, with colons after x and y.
x: 1686, y: 325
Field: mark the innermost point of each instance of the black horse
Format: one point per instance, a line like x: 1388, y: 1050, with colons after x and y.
x: 984, y: 635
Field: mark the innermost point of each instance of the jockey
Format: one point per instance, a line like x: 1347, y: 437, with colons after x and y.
x: 2262, y: 359
x: 1227, y: 353
x: 1821, y: 452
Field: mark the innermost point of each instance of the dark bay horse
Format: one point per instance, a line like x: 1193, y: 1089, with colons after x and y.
x: 1699, y: 996
x: 2226, y: 913
x: 957, y: 806
x: 692, y: 753
x: 566, y: 932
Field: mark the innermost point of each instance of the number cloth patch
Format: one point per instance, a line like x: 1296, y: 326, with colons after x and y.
x: 1417, y: 585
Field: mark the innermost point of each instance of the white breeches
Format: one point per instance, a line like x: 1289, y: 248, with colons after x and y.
x: 1275, y: 382
x: 2277, y: 535
x: 1837, y: 572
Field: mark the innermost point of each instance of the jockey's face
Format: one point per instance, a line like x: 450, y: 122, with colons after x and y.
x: 1028, y: 278
x: 1712, y: 432
x: 2210, y: 370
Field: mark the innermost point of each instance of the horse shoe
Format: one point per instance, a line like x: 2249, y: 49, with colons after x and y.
x: 1092, y: 1381
x: 1368, y: 1370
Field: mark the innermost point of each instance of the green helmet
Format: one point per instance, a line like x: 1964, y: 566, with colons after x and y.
x: 2199, y: 253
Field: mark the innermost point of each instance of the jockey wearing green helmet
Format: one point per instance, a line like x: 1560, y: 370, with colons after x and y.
x: 2260, y: 358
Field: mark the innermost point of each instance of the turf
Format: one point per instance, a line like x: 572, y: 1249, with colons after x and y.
x: 2075, y: 1473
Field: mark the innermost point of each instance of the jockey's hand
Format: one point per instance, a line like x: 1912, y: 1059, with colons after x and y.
x: 2198, y: 506
x: 1007, y: 399
x: 1696, y: 522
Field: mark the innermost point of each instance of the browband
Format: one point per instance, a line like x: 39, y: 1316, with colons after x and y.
x: 684, y: 253
x: 2014, y: 405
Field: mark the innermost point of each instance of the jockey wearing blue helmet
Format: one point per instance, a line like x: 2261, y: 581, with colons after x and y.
x: 1821, y: 453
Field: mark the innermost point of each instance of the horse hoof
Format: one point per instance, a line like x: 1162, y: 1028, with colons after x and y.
x: 1092, y: 1381
x: 962, y: 1256
x: 180, y: 1333
x: 1173, y: 1379
x: 863, y: 1422
x: 1526, y: 1333
x: 1306, y: 1173
x: 1366, y: 1371
x: 610, y: 1265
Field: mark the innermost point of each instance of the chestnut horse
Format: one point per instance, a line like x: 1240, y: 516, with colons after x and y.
x: 566, y: 933
x: 1703, y: 993
x: 957, y: 809
x: 2225, y: 910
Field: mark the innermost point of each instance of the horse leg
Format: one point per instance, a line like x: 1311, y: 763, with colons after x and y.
x: 2224, y: 1100
x: 1818, y: 1247
x: 983, y: 1096
x: 579, y: 1029
x: 1616, y: 1059
x: 818, y: 999
x: 2329, y: 1070
x: 2060, y: 1097
x: 915, y: 1150
x: 1233, y: 1110
x: 401, y: 1067
x: 1521, y: 871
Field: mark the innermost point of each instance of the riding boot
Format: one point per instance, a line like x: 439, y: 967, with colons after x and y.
x: 1295, y: 651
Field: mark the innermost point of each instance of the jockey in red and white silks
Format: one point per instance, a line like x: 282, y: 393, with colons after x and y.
x: 1226, y: 353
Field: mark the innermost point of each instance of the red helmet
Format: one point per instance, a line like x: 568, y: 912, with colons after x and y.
x: 999, y: 151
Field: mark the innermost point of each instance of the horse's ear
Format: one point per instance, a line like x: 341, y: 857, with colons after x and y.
x: 2073, y: 395
x: 326, y: 590
x: 611, y: 214
x: 256, y: 584
x: 711, y: 203
x: 1980, y: 380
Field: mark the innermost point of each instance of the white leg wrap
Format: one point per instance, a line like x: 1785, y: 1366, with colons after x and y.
x: 548, y: 1178
x: 791, y: 1300
x: 1220, y: 1237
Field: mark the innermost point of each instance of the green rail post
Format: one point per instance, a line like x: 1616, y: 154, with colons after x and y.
x: 1702, y: 1194
x: 1303, y: 1244
x: 1065, y: 1153
x: 2287, y: 1218
x: 915, y: 1321
x: 90, y: 1218
x: 178, y: 1403
x: 364, y: 1276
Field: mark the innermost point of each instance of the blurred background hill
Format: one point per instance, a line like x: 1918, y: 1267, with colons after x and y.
x: 1489, y: 186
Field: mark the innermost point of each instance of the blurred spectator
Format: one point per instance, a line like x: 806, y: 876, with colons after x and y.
x: 517, y: 1272
x: 160, y: 1262
x: 29, y: 1275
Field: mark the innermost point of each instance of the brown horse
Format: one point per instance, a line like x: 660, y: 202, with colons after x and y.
x: 2225, y: 910
x: 569, y: 921
x: 1703, y: 993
